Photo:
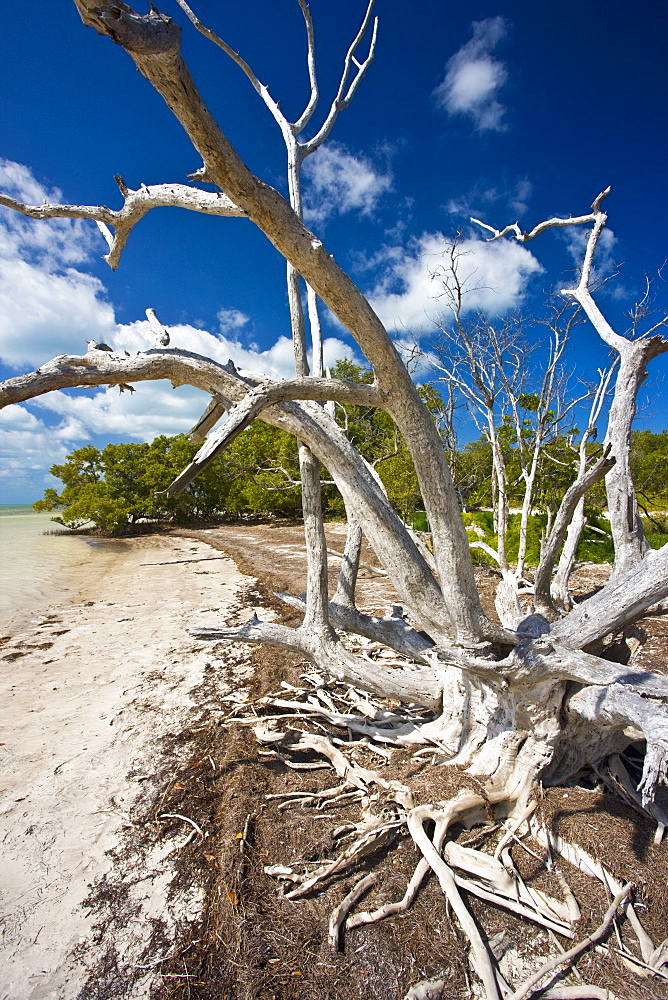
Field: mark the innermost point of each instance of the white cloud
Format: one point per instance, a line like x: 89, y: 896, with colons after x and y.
x: 231, y: 319
x: 27, y: 455
x: 17, y: 418
x: 406, y: 297
x: 44, y: 313
x: 154, y: 408
x: 474, y: 77
x: 276, y: 361
x: 30, y: 443
x: 338, y: 182
x: 55, y: 242
x: 47, y: 306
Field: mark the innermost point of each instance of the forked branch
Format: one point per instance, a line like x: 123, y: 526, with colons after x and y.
x: 258, y: 399
x: 346, y: 92
x: 550, y: 549
x: 522, y: 236
x: 305, y: 118
x: 136, y: 205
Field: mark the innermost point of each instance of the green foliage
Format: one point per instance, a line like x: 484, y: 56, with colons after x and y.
x: 656, y: 530
x: 259, y: 473
x: 374, y: 434
x: 420, y: 521
x: 482, y: 519
x: 596, y: 540
x: 529, y: 401
x: 115, y: 488
x: 481, y: 529
x: 473, y: 474
x: 535, y: 529
x: 595, y: 543
x: 649, y: 468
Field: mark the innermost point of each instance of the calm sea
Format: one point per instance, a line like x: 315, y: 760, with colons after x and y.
x: 38, y: 570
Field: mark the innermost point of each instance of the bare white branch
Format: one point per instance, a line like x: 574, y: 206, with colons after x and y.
x: 305, y: 118
x: 344, y: 96
x: 523, y: 237
x: 137, y: 204
x: 259, y: 88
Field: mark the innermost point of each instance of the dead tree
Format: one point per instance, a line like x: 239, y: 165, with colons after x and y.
x: 485, y: 366
x: 635, y: 352
x: 488, y: 365
x: 515, y: 701
x: 551, y: 592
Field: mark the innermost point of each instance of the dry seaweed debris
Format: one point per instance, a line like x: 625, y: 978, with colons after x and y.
x: 265, y: 935
x: 316, y: 727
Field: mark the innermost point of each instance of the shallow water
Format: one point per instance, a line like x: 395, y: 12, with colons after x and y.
x: 38, y: 570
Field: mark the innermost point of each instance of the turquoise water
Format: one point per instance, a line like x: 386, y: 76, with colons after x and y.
x: 39, y: 570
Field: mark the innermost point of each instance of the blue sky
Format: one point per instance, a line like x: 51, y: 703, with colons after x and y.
x: 505, y: 110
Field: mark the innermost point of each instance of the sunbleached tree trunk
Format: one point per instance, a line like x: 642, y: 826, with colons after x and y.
x: 555, y: 593
x: 513, y: 704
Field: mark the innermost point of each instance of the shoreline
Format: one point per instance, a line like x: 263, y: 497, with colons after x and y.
x: 65, y: 586
x: 44, y: 569
x: 90, y: 691
x: 118, y: 750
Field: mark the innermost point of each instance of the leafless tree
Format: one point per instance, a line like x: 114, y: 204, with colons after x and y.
x: 489, y: 365
x: 515, y: 701
x: 486, y: 365
x: 635, y: 350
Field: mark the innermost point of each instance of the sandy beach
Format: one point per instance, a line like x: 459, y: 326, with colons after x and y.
x: 89, y: 692
x: 137, y: 817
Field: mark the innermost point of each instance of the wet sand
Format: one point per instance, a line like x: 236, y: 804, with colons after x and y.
x: 40, y: 566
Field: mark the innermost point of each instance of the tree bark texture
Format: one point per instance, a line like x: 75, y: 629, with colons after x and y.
x: 498, y: 694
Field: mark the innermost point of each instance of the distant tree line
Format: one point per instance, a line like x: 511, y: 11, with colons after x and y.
x: 115, y: 487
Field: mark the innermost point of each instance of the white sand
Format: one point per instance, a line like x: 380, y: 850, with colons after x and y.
x: 86, y: 693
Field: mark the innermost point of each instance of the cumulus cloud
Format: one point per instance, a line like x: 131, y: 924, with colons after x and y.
x: 54, y: 242
x: 28, y: 447
x: 155, y: 408
x: 474, y: 77
x: 47, y: 305
x: 338, y: 182
x: 44, y: 313
x: 276, y: 361
x: 407, y: 296
x: 17, y: 418
x: 231, y: 319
